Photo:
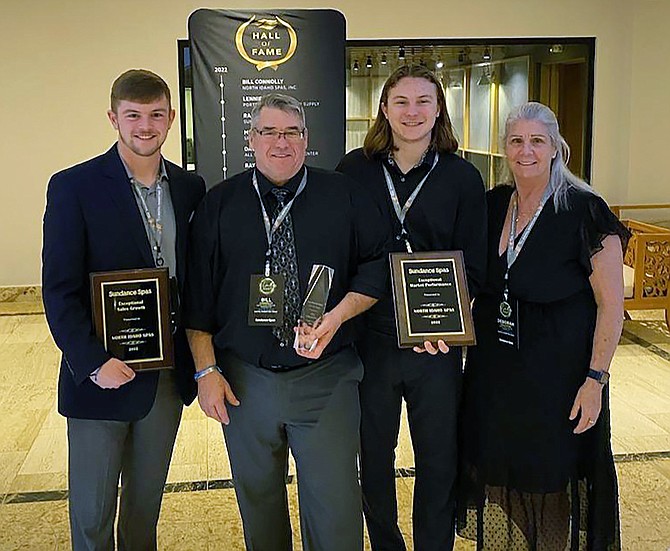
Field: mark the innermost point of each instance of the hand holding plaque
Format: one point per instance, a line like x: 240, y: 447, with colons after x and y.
x: 431, y: 298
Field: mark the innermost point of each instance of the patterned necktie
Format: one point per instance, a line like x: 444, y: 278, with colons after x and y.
x: 284, y: 261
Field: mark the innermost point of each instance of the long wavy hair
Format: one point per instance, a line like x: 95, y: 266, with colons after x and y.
x: 561, y: 178
x: 379, y: 139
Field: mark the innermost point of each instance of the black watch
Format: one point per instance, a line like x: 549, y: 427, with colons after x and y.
x: 603, y: 377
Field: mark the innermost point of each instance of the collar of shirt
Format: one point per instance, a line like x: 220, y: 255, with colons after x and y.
x: 265, y: 185
x: 426, y: 160
x: 161, y: 177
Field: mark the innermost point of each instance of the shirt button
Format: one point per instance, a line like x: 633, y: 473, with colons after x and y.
x: 282, y: 344
x: 402, y: 179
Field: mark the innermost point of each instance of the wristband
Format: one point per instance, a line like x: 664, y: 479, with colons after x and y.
x: 209, y: 369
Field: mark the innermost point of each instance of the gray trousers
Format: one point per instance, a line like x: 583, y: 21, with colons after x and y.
x: 139, y: 452
x: 314, y: 411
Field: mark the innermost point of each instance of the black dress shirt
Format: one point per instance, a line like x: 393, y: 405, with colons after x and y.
x: 405, y: 183
x: 449, y: 213
x: 335, y: 223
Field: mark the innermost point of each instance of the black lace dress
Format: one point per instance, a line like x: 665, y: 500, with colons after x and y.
x: 528, y: 482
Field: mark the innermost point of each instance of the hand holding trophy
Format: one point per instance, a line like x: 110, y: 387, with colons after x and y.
x: 312, y: 315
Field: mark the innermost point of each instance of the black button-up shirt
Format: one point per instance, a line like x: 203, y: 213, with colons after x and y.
x: 449, y: 213
x: 335, y: 222
x: 405, y: 183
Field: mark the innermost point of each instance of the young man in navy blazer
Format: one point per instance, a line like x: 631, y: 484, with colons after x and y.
x: 128, y: 208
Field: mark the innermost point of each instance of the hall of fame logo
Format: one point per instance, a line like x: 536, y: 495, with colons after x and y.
x: 266, y: 42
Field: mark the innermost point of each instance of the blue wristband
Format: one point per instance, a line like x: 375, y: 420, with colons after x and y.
x: 209, y: 369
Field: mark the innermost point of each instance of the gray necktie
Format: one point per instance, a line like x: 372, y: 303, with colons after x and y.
x: 284, y: 260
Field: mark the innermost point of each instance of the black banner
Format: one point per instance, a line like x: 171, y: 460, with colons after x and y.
x: 238, y: 56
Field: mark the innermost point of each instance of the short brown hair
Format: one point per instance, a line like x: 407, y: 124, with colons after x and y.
x: 139, y: 85
x: 379, y: 139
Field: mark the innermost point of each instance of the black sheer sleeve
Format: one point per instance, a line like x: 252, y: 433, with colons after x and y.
x: 598, y: 222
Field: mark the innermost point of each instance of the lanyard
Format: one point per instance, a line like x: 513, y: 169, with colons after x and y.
x: 154, y: 224
x: 401, y: 213
x: 513, y: 251
x: 271, y: 229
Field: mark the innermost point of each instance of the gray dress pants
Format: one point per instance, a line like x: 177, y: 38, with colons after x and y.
x: 314, y: 412
x: 139, y: 452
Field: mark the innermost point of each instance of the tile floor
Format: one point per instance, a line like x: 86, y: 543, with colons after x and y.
x: 33, y: 452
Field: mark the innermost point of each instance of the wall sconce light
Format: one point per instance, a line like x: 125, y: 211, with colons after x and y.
x: 401, y: 53
x: 356, y: 66
x: 368, y: 62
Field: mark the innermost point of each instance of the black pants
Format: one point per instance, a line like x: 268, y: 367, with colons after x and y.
x: 431, y: 387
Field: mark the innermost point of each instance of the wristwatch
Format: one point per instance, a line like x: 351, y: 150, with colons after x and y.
x: 603, y: 377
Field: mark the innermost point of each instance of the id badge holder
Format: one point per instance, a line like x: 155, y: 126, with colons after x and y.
x: 266, y: 300
x: 507, y: 321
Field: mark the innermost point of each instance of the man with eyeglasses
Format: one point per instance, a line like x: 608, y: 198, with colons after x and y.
x: 274, y: 383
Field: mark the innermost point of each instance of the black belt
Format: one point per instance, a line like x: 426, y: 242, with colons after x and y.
x: 283, y: 368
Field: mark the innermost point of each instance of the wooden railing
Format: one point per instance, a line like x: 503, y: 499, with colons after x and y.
x: 648, y: 255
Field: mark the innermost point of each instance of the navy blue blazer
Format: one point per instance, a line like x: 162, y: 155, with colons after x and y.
x: 92, y: 224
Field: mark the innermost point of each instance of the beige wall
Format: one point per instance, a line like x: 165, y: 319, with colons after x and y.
x: 59, y: 59
x: 648, y: 174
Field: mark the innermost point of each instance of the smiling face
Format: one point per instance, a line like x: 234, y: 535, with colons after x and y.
x: 411, y: 109
x: 279, y: 157
x: 529, y: 151
x: 142, y: 127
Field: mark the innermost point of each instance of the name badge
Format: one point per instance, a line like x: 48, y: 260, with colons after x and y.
x: 266, y: 300
x: 508, y: 322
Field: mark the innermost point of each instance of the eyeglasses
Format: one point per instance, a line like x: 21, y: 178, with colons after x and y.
x: 291, y: 135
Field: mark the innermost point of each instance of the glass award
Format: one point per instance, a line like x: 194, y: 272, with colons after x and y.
x: 318, y: 289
